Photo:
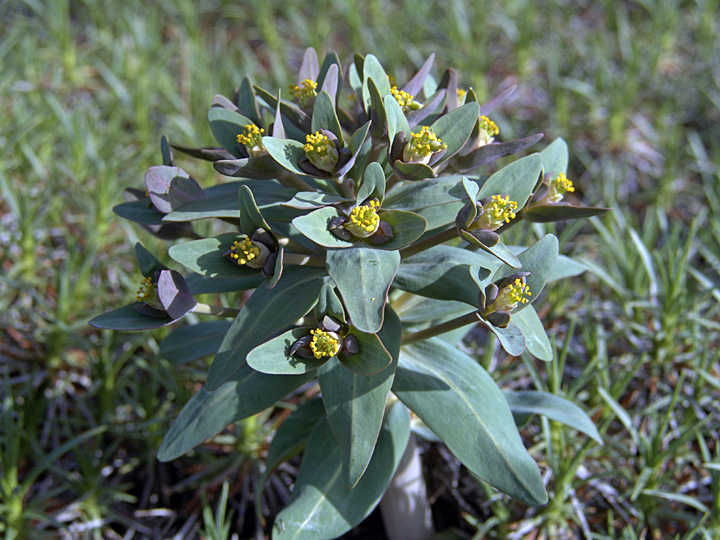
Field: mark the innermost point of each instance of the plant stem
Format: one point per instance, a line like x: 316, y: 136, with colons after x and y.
x: 433, y: 331
x: 433, y: 241
x: 304, y: 260
x: 206, y: 309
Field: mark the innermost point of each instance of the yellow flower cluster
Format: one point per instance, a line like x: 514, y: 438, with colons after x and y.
x: 147, y: 291
x: 422, y: 145
x: 251, y: 136
x: 461, y: 94
x: 559, y: 186
x: 319, y: 144
x: 365, y: 217
x: 323, y: 344
x: 405, y: 100
x: 488, y: 126
x: 244, y: 251
x: 518, y: 292
x: 501, y: 209
x: 303, y: 92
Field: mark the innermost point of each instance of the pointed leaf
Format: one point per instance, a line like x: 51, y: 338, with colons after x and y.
x: 147, y: 262
x: 129, y: 319
x: 491, y: 152
x: 250, y: 217
x: 499, y: 250
x: 141, y: 211
x: 555, y: 408
x: 511, y: 338
x: 258, y: 168
x: 373, y: 70
x: 497, y: 100
x: 396, y: 121
x: 329, y: 304
x: 454, y: 128
x: 363, y: 276
x: 406, y: 226
x: 207, y: 413
x: 310, y: 67
x: 377, y: 110
x: 325, y: 117
x: 247, y: 104
x: 373, y: 184
x: 461, y: 403
x: 555, y: 158
x: 559, y: 212
x: 192, y: 342
x: 264, y: 313
x: 286, y: 152
x: 322, y: 507
x: 415, y: 84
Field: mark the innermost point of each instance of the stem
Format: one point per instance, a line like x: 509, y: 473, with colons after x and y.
x: 433, y: 331
x: 206, y: 309
x: 433, y: 241
x: 304, y: 260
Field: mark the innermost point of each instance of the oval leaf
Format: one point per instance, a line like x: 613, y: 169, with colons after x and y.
x: 517, y: 180
x: 205, y: 257
x: 273, y: 357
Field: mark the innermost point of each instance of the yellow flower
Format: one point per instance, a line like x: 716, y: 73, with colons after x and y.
x: 511, y: 295
x: 488, y: 130
x: 324, y: 343
x: 147, y: 293
x: 421, y: 146
x: 321, y: 151
x: 364, y: 220
x: 304, y: 93
x: 461, y: 94
x: 500, y: 210
x: 558, y: 187
x: 251, y: 139
x: 249, y: 253
x: 405, y: 100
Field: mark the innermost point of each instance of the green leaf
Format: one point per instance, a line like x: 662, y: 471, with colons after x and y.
x: 461, y: 403
x: 166, y: 152
x: 355, y: 405
x: 322, y: 507
x: 205, y: 257
x: 192, y: 342
x: 373, y: 70
x: 289, y: 440
x: 140, y: 211
x: 308, y: 200
x: 438, y: 200
x: 377, y: 110
x: 373, y: 184
x: 491, y: 152
x: 559, y: 212
x: 207, y: 413
x: 555, y: 408
x: 454, y: 128
x: 315, y: 227
x: 518, y: 180
x: 286, y: 152
x: 289, y: 110
x: 325, y: 117
x: 147, y: 262
x: 499, y: 250
x: 413, y: 171
x: 363, y: 276
x: 226, y: 126
x: 258, y: 168
x: 511, y: 338
x: 273, y: 357
x: 539, y: 260
x: 442, y: 273
x: 329, y: 304
x: 247, y: 103
x: 264, y: 313
x: 555, y: 158
x: 170, y: 188
x: 250, y: 217
x: 372, y: 358
x: 396, y: 121
x: 129, y: 319
x: 330, y: 59
x: 204, y: 285
x: 406, y: 226
x: 536, y: 339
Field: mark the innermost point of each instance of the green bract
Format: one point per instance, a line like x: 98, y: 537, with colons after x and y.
x: 364, y: 227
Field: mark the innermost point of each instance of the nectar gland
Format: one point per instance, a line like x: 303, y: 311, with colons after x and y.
x: 324, y: 343
x: 321, y: 151
x: 422, y: 145
x: 251, y: 139
x: 558, y: 187
x: 364, y: 220
x: 500, y: 211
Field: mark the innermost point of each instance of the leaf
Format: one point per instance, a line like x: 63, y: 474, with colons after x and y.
x: 250, y: 217
x: 205, y: 257
x: 555, y: 408
x: 363, y: 276
x: 455, y: 127
x: 413, y: 171
x: 499, y: 250
x: 325, y: 76
x: 207, y: 413
x: 264, y: 313
x: 373, y: 70
x: 441, y: 272
x: 170, y: 188
x: 490, y: 152
x: 191, y: 342
x: 371, y: 358
x: 259, y: 168
x: 559, y: 212
x: 289, y: 440
x: 247, y: 104
x: 356, y: 143
x: 396, y: 121
x: 377, y: 110
x: 141, y: 212
x: 329, y: 304
x: 204, y: 285
x: 324, y: 116
x: 174, y: 294
x: 331, y: 82
x: 415, y: 84
x: 497, y: 100
x: 129, y: 319
x: 310, y: 67
x: 461, y: 403
x: 315, y: 227
x: 273, y: 357
x: 536, y: 339
x: 226, y: 126
x: 432, y: 107
x: 406, y: 226
x: 511, y: 338
x: 322, y: 507
x: 555, y: 158
x: 308, y: 200
x: 516, y: 180
x: 286, y: 152
x: 438, y: 200
x: 289, y: 110
x: 166, y: 151
x: 147, y: 262
x: 539, y: 260
x: 373, y: 184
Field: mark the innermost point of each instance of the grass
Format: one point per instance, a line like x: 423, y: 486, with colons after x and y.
x: 86, y: 90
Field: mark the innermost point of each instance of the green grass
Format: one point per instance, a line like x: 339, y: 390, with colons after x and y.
x: 86, y: 90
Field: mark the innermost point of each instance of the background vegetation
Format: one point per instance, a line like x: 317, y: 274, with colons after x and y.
x: 86, y: 90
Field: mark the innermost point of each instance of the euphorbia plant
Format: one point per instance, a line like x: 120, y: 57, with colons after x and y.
x: 372, y: 240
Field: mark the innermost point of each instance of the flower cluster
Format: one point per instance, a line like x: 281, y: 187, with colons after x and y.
x: 321, y: 151
x: 251, y: 139
x: 304, y: 93
x: 422, y: 145
x: 488, y: 131
x: 558, y: 187
x: 405, y: 100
